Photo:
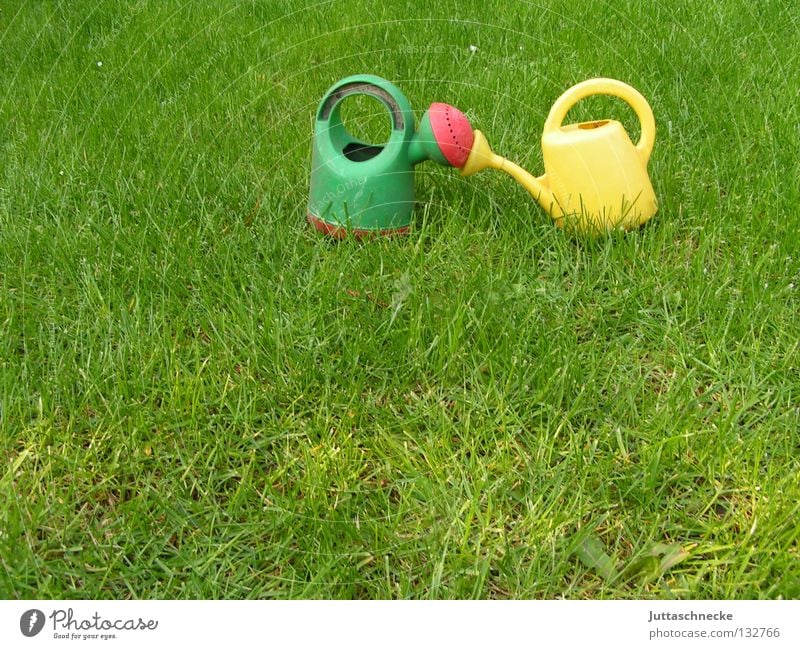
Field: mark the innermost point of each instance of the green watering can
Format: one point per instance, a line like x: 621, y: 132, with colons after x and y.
x: 367, y: 189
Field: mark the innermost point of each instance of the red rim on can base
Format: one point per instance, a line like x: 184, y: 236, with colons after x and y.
x: 338, y: 232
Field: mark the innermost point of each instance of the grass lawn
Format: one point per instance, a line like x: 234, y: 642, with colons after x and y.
x: 201, y: 397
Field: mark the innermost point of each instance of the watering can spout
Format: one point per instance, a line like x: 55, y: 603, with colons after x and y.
x: 482, y: 157
x: 538, y: 188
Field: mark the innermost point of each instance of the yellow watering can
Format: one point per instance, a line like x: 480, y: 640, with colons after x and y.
x: 595, y: 178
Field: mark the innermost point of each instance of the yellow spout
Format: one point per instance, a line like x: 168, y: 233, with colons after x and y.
x: 481, y: 157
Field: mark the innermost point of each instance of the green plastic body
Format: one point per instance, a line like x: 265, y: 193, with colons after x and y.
x: 362, y: 188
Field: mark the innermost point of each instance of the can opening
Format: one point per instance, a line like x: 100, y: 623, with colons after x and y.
x: 587, y: 126
x: 358, y: 152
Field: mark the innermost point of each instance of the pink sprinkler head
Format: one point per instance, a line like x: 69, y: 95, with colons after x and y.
x: 452, y: 131
x: 445, y: 135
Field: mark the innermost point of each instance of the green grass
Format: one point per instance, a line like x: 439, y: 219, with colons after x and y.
x: 203, y: 398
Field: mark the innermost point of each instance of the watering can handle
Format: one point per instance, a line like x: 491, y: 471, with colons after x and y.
x: 364, y: 84
x: 616, y: 89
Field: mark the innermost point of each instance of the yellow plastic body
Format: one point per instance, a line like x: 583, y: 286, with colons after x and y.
x: 595, y: 178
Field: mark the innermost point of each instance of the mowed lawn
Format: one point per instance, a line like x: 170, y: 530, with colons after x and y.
x: 201, y: 397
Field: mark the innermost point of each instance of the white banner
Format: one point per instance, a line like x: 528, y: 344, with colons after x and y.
x: 372, y: 625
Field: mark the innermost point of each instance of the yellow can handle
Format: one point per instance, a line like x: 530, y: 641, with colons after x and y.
x: 616, y: 89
